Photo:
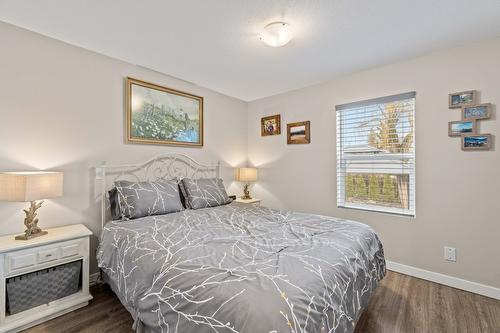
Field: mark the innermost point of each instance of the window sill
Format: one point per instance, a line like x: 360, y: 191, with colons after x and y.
x: 394, y: 211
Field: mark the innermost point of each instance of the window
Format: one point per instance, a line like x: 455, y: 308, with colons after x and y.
x: 376, y: 154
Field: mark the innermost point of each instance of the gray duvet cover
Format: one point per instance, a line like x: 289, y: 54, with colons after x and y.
x: 241, y: 268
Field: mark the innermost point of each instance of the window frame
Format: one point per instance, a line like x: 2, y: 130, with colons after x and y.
x: 341, y: 171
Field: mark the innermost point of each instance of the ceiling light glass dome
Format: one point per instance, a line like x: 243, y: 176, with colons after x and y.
x: 277, y: 34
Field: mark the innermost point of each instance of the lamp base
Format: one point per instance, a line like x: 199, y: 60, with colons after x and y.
x: 246, y: 193
x: 26, y: 237
x: 31, y: 222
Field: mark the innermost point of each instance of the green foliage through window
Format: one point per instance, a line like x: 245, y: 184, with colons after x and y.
x: 377, y: 189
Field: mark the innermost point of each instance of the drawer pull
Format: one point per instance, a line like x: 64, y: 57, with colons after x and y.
x: 47, y: 255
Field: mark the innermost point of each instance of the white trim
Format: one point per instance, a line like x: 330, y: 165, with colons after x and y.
x: 94, y: 279
x: 446, y: 280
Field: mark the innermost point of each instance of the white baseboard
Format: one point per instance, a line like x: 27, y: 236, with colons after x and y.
x: 446, y: 280
x: 93, y: 279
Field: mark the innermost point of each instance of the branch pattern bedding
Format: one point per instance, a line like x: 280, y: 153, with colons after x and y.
x: 241, y: 268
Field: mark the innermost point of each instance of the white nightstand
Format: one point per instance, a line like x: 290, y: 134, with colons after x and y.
x: 60, y: 246
x: 253, y: 201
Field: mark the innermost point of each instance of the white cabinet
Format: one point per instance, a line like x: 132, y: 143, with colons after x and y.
x: 17, y: 257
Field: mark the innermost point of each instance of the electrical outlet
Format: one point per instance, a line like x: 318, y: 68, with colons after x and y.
x: 450, y: 254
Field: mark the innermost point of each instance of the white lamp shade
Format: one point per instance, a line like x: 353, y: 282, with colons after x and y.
x: 30, y: 186
x: 246, y: 174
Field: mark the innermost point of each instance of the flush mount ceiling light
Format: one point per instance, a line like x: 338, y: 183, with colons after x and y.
x: 277, y: 34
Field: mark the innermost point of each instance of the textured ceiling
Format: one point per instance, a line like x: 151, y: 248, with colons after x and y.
x: 214, y: 43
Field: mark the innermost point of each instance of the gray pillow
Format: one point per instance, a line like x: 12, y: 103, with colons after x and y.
x: 183, y: 194
x: 148, y: 198
x: 202, y: 193
x: 113, y: 204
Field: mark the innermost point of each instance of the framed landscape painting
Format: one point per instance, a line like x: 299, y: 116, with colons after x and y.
x: 463, y: 98
x: 476, y: 142
x: 480, y: 111
x: 161, y: 115
x: 270, y: 125
x: 298, y: 133
x: 457, y: 128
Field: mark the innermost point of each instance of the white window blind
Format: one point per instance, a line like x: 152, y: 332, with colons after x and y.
x: 376, y: 154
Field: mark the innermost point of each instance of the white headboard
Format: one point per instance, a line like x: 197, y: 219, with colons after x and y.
x: 168, y: 166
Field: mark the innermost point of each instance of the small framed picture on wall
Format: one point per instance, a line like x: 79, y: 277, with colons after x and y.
x: 480, y: 111
x: 270, y: 125
x: 463, y: 98
x: 298, y: 133
x: 458, y: 128
x: 476, y: 142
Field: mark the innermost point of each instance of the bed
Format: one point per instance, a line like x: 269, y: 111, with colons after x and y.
x: 235, y: 267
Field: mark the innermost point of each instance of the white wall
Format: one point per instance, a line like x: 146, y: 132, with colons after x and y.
x: 61, y: 108
x: 458, y: 193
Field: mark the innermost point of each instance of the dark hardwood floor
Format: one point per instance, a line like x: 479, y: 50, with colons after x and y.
x: 104, y: 313
x: 401, y: 304
x: 406, y: 304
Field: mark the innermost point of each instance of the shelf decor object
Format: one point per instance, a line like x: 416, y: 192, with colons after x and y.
x: 246, y: 175
x: 30, y: 187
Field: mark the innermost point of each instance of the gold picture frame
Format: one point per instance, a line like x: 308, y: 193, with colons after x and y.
x: 162, y: 116
x: 270, y: 125
x: 298, y: 133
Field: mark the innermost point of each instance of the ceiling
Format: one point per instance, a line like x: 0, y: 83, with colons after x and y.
x: 215, y: 44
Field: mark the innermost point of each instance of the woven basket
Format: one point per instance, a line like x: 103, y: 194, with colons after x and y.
x: 41, y: 287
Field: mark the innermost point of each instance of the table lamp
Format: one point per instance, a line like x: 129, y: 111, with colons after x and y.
x: 246, y: 175
x: 29, y: 187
